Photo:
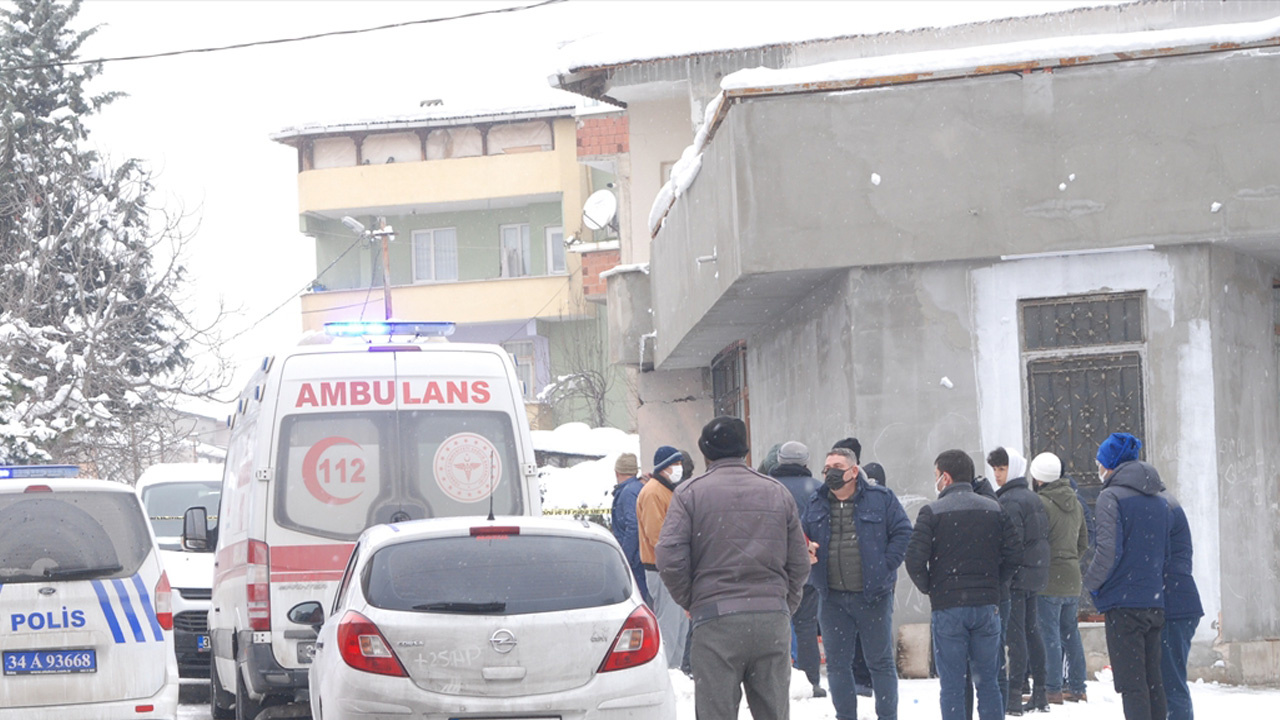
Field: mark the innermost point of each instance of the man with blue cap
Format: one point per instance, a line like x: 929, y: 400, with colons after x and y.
x: 1126, y: 577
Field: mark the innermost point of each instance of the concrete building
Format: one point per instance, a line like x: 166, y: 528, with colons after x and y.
x: 1026, y: 233
x: 484, y: 205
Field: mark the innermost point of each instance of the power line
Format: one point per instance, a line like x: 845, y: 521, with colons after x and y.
x: 304, y: 288
x: 283, y: 41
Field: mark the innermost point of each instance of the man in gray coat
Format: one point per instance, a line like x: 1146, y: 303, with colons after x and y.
x: 732, y: 554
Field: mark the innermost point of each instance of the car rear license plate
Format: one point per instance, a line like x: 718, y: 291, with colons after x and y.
x: 50, y: 662
x: 202, y: 643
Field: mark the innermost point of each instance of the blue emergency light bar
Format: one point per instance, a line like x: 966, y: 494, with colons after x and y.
x: 386, y: 328
x: 14, y: 472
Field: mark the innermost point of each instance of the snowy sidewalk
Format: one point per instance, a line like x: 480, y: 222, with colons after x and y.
x: 918, y: 700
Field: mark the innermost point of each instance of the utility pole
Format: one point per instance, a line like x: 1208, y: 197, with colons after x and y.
x: 385, y: 232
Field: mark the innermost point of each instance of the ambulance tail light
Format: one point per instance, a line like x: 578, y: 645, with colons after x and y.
x: 364, y: 648
x: 164, y: 602
x: 258, y: 586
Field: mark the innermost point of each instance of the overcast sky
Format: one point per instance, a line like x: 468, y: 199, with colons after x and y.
x: 202, y: 121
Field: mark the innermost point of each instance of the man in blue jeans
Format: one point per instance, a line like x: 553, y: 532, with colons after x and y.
x: 962, y: 549
x: 1060, y: 601
x: 860, y: 531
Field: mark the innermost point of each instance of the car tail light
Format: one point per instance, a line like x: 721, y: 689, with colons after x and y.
x: 636, y: 644
x: 364, y: 648
x: 164, y: 602
x: 258, y: 586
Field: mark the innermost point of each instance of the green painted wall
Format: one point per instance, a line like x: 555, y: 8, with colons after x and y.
x: 478, y: 241
x: 584, y: 343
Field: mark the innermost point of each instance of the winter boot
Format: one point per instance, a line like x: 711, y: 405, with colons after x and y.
x: 1054, y: 698
x: 1074, y: 697
x: 818, y: 691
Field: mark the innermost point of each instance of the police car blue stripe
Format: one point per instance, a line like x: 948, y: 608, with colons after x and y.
x: 128, y: 610
x: 145, y: 601
x: 110, y: 614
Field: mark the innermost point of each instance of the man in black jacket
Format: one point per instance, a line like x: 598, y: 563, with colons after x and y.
x: 963, y: 548
x: 792, y: 471
x: 1031, y: 523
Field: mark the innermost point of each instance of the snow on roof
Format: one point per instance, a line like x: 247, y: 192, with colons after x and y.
x: 1075, y: 50
x: 180, y: 472
x: 843, y: 75
x: 673, y: 30
x: 442, y: 116
x: 620, y: 269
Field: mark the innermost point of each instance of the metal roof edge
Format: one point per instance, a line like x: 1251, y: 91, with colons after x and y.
x: 320, y: 130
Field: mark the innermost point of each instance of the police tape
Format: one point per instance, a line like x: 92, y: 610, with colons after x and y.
x: 577, y: 511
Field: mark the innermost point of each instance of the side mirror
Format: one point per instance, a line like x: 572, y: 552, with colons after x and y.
x: 195, y: 530
x: 307, y: 613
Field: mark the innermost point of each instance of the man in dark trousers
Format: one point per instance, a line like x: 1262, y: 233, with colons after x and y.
x: 1182, y: 613
x: 1031, y: 523
x: 963, y: 548
x: 792, y: 471
x: 623, y: 518
x: 1126, y: 576
x: 732, y: 554
x: 861, y: 532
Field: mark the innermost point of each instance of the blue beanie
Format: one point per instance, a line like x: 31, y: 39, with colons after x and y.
x: 1118, y: 448
x: 665, y: 457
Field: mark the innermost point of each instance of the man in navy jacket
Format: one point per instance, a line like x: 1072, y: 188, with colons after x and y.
x: 861, y: 532
x: 1127, y: 575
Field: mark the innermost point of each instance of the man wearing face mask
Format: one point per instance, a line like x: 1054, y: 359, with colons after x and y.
x: 651, y: 511
x: 792, y: 471
x: 861, y: 532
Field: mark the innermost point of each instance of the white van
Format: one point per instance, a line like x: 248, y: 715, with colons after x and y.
x: 370, y: 423
x: 167, y: 490
x: 86, y: 626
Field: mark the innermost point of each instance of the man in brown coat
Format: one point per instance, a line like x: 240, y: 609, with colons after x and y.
x: 651, y: 512
x: 732, y: 553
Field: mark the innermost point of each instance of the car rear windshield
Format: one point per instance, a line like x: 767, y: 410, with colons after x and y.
x: 498, y: 576
x: 71, y: 536
x: 167, y: 502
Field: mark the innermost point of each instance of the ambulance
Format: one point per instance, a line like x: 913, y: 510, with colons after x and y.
x: 365, y: 424
x: 86, y: 623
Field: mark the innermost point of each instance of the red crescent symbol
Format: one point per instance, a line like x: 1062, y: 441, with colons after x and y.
x: 309, y: 478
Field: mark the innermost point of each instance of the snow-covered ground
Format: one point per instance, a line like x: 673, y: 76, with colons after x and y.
x: 918, y: 700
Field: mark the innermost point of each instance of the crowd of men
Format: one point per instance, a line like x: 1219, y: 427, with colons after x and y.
x: 745, y: 569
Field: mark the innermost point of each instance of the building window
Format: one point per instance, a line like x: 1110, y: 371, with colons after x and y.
x: 514, y: 256
x: 1083, y: 360
x: 435, y: 255
x: 729, y: 382
x: 555, y: 251
x: 522, y: 355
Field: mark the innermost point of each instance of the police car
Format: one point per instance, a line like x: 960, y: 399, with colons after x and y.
x: 86, y: 626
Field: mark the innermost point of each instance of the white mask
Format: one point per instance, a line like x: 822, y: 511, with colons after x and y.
x: 677, y: 474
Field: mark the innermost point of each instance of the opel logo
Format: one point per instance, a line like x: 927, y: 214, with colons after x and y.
x: 503, y: 641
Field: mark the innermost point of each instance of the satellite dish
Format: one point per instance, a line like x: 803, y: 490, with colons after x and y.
x: 600, y: 210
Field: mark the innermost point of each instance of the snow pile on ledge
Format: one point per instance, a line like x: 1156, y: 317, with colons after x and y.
x: 933, y: 61
x: 620, y: 269
x: 685, y: 171
x: 588, y: 484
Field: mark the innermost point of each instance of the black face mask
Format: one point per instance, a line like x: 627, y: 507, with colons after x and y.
x: 834, y: 479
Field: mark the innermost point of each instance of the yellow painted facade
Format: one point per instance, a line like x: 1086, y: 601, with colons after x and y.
x: 549, y: 296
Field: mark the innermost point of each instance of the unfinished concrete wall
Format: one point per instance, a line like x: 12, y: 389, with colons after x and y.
x: 864, y: 355
x: 1247, y: 427
x: 672, y: 408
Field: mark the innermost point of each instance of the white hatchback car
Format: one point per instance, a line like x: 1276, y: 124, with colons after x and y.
x: 86, y: 625
x: 471, y: 618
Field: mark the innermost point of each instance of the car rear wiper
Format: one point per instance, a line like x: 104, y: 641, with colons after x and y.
x: 463, y: 607
x: 72, y: 573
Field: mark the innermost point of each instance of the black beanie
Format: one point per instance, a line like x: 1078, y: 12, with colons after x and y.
x: 723, y: 437
x: 850, y: 444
